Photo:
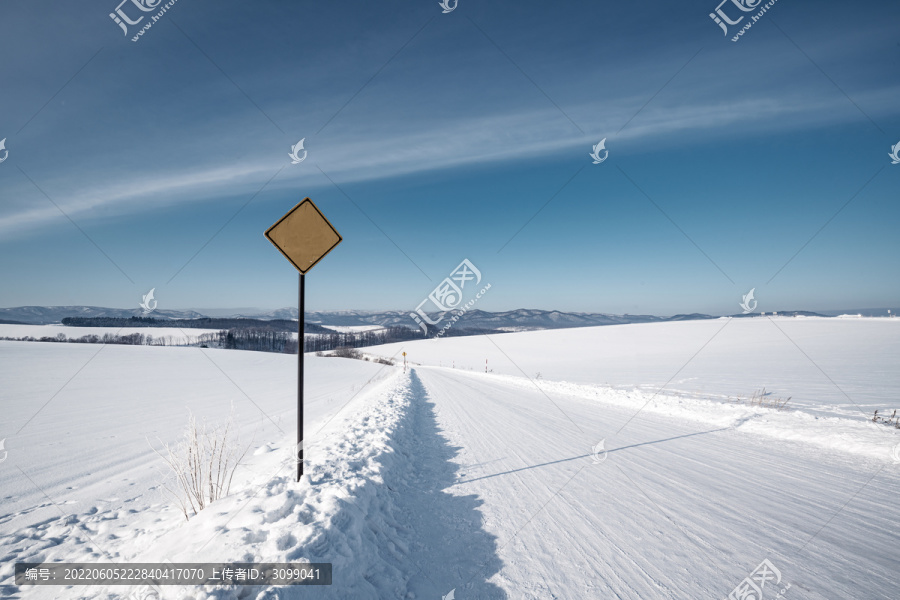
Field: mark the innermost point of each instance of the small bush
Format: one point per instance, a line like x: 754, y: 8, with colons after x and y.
x: 762, y: 399
x: 346, y: 352
x: 892, y: 420
x: 203, y: 463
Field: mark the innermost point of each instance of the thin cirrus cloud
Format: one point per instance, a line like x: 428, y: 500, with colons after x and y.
x: 369, y: 152
x: 123, y: 197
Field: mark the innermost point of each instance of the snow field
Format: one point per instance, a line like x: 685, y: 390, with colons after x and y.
x: 493, y: 485
x: 80, y: 479
x: 830, y: 367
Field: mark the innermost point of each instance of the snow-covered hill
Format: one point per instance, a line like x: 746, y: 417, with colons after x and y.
x: 830, y: 367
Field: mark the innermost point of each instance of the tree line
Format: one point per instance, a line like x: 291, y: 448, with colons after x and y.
x: 242, y: 334
x: 131, y: 339
x: 201, y: 323
x: 284, y: 342
x: 260, y: 340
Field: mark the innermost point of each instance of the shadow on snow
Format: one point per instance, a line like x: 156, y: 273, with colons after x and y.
x: 427, y: 542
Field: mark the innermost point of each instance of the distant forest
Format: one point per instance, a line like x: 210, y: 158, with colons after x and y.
x: 280, y: 342
x: 241, y: 334
x: 265, y: 338
x: 277, y: 341
x: 203, y: 323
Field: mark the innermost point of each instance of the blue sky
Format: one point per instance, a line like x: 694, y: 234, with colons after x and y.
x: 435, y: 137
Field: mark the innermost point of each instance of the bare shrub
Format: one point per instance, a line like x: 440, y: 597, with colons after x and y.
x: 764, y: 399
x: 892, y: 420
x: 346, y: 352
x: 203, y: 462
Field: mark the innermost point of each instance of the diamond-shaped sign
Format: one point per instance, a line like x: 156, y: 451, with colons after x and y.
x: 304, y: 235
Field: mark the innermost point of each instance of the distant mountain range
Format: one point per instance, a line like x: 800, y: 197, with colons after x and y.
x: 507, y: 320
x: 511, y: 320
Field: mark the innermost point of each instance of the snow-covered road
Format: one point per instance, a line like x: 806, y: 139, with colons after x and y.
x: 675, y: 510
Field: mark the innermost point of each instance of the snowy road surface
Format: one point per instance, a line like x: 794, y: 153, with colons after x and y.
x: 675, y: 510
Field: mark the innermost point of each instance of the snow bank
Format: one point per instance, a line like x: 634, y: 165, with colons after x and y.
x: 839, y: 434
x: 331, y: 515
x: 79, y: 480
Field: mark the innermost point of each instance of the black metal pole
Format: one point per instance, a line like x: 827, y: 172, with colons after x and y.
x: 301, y: 343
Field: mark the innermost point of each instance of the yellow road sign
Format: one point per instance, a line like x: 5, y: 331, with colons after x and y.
x: 304, y: 236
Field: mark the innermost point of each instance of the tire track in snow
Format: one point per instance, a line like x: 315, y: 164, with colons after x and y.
x: 740, y: 496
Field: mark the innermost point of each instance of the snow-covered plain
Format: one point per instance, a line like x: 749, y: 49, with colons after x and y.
x: 79, y: 421
x: 829, y: 366
x: 836, y: 372
x: 622, y: 472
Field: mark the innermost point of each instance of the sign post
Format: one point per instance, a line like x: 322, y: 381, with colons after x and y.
x: 303, y: 236
x: 301, y: 346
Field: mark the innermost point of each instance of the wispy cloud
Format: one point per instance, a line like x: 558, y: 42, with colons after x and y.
x: 139, y: 193
x: 395, y: 148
